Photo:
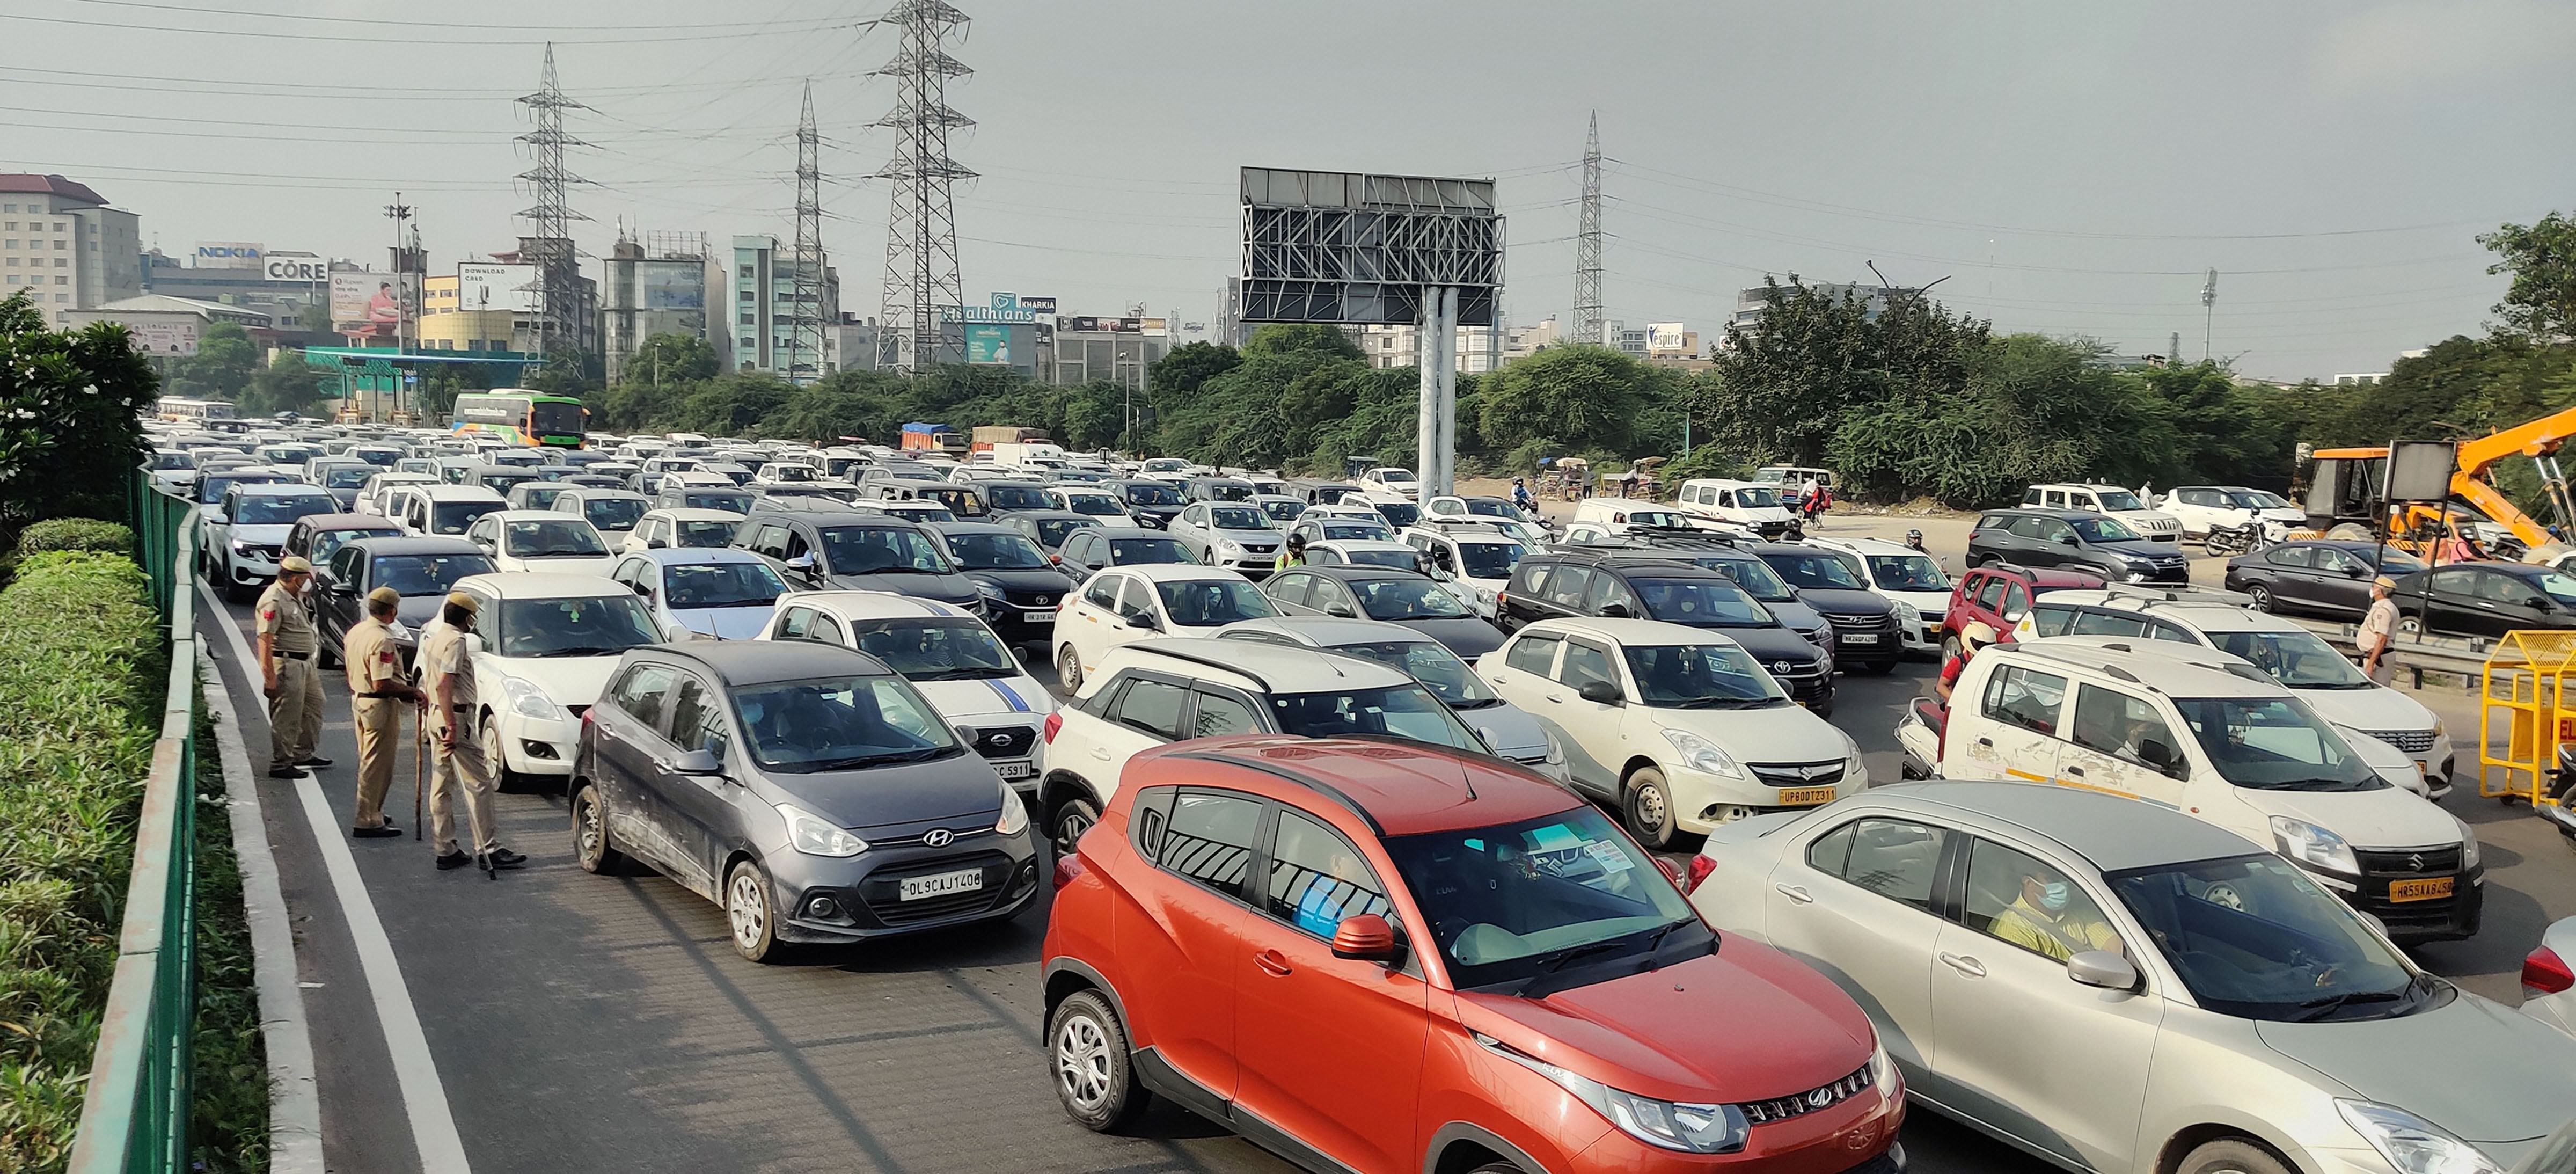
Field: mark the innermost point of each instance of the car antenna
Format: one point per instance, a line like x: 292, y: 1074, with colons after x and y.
x: 1467, y: 782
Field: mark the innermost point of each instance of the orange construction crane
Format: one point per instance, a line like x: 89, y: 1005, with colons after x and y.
x: 2351, y: 481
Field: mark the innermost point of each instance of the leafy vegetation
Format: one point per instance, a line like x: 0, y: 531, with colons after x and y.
x: 76, y: 534
x: 70, y: 418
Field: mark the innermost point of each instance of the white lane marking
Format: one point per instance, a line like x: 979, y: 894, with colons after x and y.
x: 433, y: 1126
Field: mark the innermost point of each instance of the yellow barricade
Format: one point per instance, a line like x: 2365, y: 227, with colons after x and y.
x: 2526, y: 693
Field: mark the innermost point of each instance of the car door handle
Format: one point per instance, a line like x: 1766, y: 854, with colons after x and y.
x: 1554, y: 699
x: 2075, y: 771
x: 1964, y: 965
x: 1988, y: 743
x: 1100, y: 752
x: 1797, y: 893
x: 1272, y: 963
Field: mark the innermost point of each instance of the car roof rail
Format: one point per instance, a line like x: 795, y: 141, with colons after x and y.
x: 2149, y: 595
x: 1301, y: 778
x: 2010, y: 568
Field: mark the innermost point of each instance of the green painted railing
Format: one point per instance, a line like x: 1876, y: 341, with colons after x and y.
x: 135, y: 1117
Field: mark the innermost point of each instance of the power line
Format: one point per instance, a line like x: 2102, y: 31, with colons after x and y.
x: 302, y: 18
x: 921, y: 225
x: 487, y: 43
x: 551, y: 248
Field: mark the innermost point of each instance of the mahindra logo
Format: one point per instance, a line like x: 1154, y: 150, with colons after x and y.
x: 1820, y: 1098
x: 937, y: 838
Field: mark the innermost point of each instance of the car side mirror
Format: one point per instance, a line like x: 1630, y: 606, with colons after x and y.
x: 1616, y: 611
x: 2068, y: 540
x: 1364, y: 937
x: 802, y: 562
x: 1147, y: 621
x: 1601, y: 693
x: 1672, y: 872
x: 655, y: 543
x: 696, y: 762
x: 644, y: 589
x: 218, y: 517
x: 965, y: 734
x: 2104, y: 969
x: 2538, y: 603
x: 1341, y: 610
x: 2159, y: 756
x: 2372, y: 919
x: 2354, y: 570
x: 474, y: 642
x: 339, y: 588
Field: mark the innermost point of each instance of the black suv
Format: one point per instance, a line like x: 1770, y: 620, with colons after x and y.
x: 1152, y: 503
x: 1867, y: 635
x: 1545, y: 586
x: 1020, y: 584
x: 841, y: 550
x: 1722, y: 554
x: 2081, y: 539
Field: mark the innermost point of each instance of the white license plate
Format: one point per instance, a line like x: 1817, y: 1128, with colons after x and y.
x: 1861, y: 638
x: 1016, y: 770
x: 915, y: 888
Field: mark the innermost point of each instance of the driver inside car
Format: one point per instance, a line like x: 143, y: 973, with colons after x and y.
x: 2051, y: 919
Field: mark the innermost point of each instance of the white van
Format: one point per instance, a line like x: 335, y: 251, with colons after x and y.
x: 2226, y: 745
x: 1035, y: 456
x: 1744, y: 505
x: 2153, y: 524
x: 1618, y: 515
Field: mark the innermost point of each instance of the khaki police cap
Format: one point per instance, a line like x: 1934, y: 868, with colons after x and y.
x: 461, y: 599
x: 2384, y: 581
x: 295, y: 565
x: 384, y: 597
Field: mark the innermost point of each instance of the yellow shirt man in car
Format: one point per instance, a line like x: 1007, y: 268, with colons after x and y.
x: 2048, y: 920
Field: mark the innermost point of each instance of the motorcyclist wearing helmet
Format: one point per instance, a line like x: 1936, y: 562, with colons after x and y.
x: 1977, y: 635
x: 1296, y: 552
x: 1914, y: 541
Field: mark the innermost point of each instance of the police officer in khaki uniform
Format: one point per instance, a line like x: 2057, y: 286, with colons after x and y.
x: 377, y: 692
x: 286, y: 670
x: 456, y: 759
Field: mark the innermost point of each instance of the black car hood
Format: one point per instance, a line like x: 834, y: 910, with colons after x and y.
x: 2152, y: 551
x: 1046, y: 579
x: 416, y: 611
x: 1467, y: 636
x: 956, y: 589
x: 956, y: 787
x: 1841, y: 602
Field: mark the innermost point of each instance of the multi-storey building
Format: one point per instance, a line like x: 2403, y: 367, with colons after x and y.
x: 654, y: 286
x: 763, y: 310
x: 62, y: 246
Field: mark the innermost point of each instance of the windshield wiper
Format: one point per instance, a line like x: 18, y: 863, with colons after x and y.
x: 1558, y: 960
x: 926, y: 752
x: 585, y: 651
x: 2320, y: 1008
x: 1478, y: 703
x: 886, y: 571
x: 1728, y: 702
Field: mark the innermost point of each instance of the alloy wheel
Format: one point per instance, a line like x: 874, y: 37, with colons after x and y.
x: 1082, y: 1062
x: 747, y: 908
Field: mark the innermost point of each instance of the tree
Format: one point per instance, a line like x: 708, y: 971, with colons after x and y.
x: 1574, y: 398
x: 673, y: 358
x: 71, y: 407
x: 1181, y: 370
x: 1300, y: 337
x: 222, y: 368
x: 2541, y: 303
x: 287, y: 384
x: 568, y: 370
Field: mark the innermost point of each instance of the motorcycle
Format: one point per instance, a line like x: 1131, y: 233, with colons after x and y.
x: 2243, y: 539
x: 2562, y: 792
x: 1918, y: 735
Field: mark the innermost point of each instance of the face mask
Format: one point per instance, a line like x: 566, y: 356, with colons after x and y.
x: 2052, y: 896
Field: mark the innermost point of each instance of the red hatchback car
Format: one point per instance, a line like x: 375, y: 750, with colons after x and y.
x: 1384, y: 957
x: 1998, y: 594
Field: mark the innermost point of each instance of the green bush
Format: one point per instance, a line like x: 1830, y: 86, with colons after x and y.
x: 76, y: 534
x: 82, y: 673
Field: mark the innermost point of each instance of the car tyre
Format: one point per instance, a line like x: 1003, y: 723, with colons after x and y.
x: 488, y: 733
x: 1094, y: 1079
x: 2261, y: 595
x: 1949, y: 647
x: 2231, y: 1157
x: 1067, y: 823
x: 1879, y: 668
x: 1068, y: 669
x: 592, y: 847
x: 1647, y: 805
x: 751, y: 919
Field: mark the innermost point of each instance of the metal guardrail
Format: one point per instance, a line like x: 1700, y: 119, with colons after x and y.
x: 2418, y: 655
x: 136, y: 1112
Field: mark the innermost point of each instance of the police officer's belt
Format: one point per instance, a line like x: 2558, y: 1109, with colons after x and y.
x: 294, y: 655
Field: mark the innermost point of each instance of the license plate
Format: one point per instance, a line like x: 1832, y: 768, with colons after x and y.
x: 1807, y: 796
x: 1016, y: 770
x: 1860, y: 638
x: 2431, y: 888
x: 915, y: 888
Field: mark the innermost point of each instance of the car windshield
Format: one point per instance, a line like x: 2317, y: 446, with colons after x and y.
x: 452, y: 517
x: 328, y: 542
x: 1207, y: 603
x: 996, y: 552
x: 1003, y: 496
x: 1489, y: 560
x: 426, y: 574
x: 726, y: 584
x: 1907, y: 572
x: 792, y: 472
x: 2102, y: 529
x: 550, y: 538
x: 845, y: 723
x: 1408, y: 711
x: 1407, y: 598
x: 1237, y: 517
x: 1227, y: 491
x: 917, y: 511
x: 2299, y: 659
x: 1351, y: 530
x: 1166, y: 465
x: 616, y: 514
x: 702, y: 534
x: 594, y: 625
x: 1404, y: 560
x: 2391, y: 561
x: 347, y: 476
x: 1431, y: 663
x: 1704, y: 603
x: 556, y: 418
x: 282, y: 510
x: 1814, y: 571
x: 867, y: 550
x: 731, y: 500
x: 931, y: 649
x: 1701, y: 676
x: 2256, y: 499
x: 2117, y: 499
x: 1655, y: 518
x: 539, y: 496
x: 1128, y: 552
x: 1152, y: 493
x: 1282, y: 511
x: 1398, y: 514
x: 961, y: 501
x: 1756, y: 498
x: 499, y: 482
x: 2558, y: 586
x: 1512, y: 906
x: 2275, y: 744
x: 1098, y: 505
x: 1752, y: 574
x: 2251, y: 936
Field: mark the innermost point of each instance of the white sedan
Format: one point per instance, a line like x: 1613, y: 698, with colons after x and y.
x: 541, y: 540
x: 544, y: 646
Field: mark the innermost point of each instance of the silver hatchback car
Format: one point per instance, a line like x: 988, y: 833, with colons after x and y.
x: 2117, y: 987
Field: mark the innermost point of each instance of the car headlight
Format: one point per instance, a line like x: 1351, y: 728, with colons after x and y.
x: 2309, y: 844
x: 1555, y: 750
x: 2412, y: 1144
x: 2468, y: 844
x: 2439, y: 729
x: 1485, y: 596
x: 1883, y: 1075
x: 1822, y: 637
x: 989, y: 591
x: 1229, y: 546
x: 1015, y: 815
x: 1701, y: 754
x: 1853, y: 768
x: 1907, y: 615
x: 813, y: 835
x: 527, y: 700
x: 1691, y: 1129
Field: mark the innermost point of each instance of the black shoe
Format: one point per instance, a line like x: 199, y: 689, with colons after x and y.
x: 505, y: 858
x: 375, y: 833
x: 454, y: 860
x: 286, y: 772
x: 316, y: 760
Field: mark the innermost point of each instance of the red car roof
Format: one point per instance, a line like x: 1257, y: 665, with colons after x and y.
x: 1406, y: 788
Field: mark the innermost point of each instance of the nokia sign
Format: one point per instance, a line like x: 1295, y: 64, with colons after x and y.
x: 228, y: 255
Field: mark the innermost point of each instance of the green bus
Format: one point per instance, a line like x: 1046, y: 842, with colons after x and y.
x: 521, y: 417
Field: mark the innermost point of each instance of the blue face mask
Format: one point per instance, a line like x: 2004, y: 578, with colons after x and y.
x: 2052, y: 896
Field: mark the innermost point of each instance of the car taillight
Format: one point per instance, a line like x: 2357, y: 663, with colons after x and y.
x: 1054, y: 722
x: 1068, y: 869
x: 1700, y: 867
x: 2545, y: 973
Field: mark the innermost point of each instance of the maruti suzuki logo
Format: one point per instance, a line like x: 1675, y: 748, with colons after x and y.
x: 2415, y: 862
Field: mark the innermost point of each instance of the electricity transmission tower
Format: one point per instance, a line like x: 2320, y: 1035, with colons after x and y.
x: 1587, y: 244
x: 921, y: 230
x: 805, y: 329
x: 550, y: 247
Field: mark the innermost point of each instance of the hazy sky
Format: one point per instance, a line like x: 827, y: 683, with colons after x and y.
x: 2071, y: 168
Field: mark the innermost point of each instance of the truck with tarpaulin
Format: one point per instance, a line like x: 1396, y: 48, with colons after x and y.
x: 933, y: 438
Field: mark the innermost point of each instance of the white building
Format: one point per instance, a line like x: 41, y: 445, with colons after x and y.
x: 64, y: 247
x: 654, y: 286
x: 164, y: 325
x: 758, y: 318
x: 1398, y: 346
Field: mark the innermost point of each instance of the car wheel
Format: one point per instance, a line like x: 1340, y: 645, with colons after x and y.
x: 1949, y: 647
x: 1648, y: 807
x: 1071, y: 819
x: 2261, y: 595
x: 2410, y: 625
x: 2231, y: 1157
x: 1068, y: 669
x: 489, y: 733
x: 747, y: 910
x: 1094, y: 1079
x: 2349, y: 532
x: 591, y: 846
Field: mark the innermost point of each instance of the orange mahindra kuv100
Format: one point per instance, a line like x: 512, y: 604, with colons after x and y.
x: 1380, y: 956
